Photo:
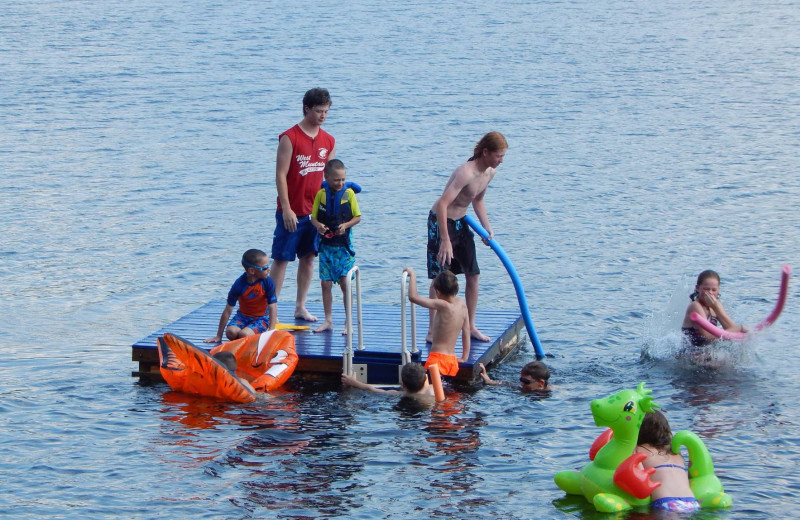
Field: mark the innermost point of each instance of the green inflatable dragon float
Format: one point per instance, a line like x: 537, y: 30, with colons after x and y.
x: 614, y: 479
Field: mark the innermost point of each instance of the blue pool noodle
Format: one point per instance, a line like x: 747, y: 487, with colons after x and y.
x: 523, y: 302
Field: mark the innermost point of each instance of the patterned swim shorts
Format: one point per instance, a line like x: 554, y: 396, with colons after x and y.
x: 258, y: 324
x: 334, y: 262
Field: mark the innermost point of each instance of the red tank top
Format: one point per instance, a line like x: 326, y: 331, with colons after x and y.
x: 304, y: 179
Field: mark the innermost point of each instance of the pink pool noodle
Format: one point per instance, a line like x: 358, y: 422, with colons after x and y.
x: 769, y: 320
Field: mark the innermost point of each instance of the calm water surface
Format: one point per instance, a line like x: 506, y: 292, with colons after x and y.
x: 648, y: 141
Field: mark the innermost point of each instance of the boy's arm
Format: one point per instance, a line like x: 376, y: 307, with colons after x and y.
x: 466, y: 337
x: 282, y: 163
x: 356, y: 211
x: 272, y: 308
x: 246, y: 384
x: 486, y: 379
x: 344, y: 226
x: 223, y: 320
x: 414, y: 297
x: 480, y: 210
x: 321, y: 228
x: 352, y: 381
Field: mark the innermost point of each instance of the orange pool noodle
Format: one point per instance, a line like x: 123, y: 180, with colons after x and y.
x: 436, y: 381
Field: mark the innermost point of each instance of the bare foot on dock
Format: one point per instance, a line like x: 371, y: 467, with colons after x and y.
x: 326, y: 325
x: 303, y: 314
x: 478, y: 335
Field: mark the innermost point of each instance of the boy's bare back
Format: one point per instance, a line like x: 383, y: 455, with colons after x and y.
x: 449, y: 321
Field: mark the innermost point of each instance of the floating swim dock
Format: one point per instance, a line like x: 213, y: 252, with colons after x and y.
x: 378, y: 341
x: 323, y: 353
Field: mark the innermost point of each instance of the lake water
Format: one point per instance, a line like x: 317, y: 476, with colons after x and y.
x: 648, y: 141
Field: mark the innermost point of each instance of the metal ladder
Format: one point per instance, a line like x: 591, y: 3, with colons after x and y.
x: 359, y: 371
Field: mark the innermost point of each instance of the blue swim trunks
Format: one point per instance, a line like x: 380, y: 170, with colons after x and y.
x: 334, y: 262
x: 288, y: 246
x: 258, y: 324
x: 676, y: 504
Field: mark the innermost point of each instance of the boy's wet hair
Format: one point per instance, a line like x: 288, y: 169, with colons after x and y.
x: 333, y: 164
x: 413, y: 376
x: 316, y: 97
x: 227, y: 359
x: 655, y: 431
x: 446, y: 283
x: 252, y: 257
x: 537, y: 370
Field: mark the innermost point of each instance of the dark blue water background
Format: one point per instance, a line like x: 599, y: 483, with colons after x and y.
x: 648, y: 141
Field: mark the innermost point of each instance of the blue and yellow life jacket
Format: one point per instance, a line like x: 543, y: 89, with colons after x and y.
x: 335, y: 210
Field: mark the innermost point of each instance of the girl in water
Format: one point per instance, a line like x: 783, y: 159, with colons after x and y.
x: 706, y: 303
x: 655, y: 440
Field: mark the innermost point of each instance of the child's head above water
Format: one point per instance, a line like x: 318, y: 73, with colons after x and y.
x: 413, y: 376
x: 534, y: 376
x: 227, y: 360
x: 655, y: 431
x: 446, y: 283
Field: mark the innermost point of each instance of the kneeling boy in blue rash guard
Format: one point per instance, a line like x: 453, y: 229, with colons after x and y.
x: 255, y: 293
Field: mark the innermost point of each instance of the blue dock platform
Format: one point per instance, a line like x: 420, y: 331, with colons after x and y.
x: 322, y: 353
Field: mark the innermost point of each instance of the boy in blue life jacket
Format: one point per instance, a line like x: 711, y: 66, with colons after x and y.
x: 335, y: 211
x: 255, y: 293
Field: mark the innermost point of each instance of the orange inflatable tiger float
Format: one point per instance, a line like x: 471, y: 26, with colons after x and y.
x: 266, y: 360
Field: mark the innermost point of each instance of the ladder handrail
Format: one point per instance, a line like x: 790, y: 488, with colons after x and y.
x: 405, y: 355
x: 348, y: 290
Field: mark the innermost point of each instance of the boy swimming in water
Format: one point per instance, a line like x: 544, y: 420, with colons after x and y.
x: 228, y: 360
x: 413, y: 379
x: 533, y: 377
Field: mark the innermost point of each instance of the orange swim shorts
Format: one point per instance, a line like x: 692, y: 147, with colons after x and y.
x: 448, y: 363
